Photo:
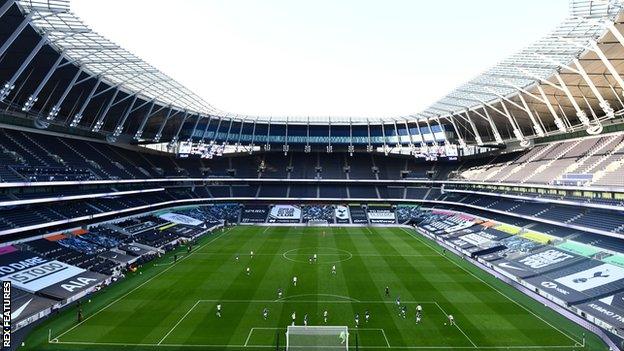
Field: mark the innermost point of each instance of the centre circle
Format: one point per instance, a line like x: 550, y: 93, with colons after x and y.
x: 324, y: 255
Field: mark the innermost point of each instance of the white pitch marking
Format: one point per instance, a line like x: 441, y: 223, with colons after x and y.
x: 139, y: 286
x: 179, y: 321
x: 457, y: 325
x: 514, y: 347
x: 494, y: 288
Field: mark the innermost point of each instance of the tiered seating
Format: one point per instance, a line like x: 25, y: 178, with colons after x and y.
x: 597, y: 156
x: 54, y: 251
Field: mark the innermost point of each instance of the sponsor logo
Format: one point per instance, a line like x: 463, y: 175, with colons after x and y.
x: 606, y: 312
x: 554, y: 286
x: 593, y: 277
x: 15, y: 314
x: 6, y: 314
x: 78, y: 283
x: 549, y: 285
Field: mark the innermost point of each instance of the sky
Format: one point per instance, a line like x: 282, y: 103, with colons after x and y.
x: 322, y: 57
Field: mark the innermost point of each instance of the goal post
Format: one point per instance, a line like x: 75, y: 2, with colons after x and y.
x: 318, y: 223
x: 308, y: 338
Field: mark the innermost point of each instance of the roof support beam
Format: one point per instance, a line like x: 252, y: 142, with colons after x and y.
x: 474, y: 129
x: 537, y: 127
x: 148, y: 114
x: 582, y: 116
x: 122, y: 121
x: 176, y: 137
x: 10, y: 84
x: 100, y: 121
x: 558, y: 122
x: 604, y: 104
x: 7, y: 43
x: 78, y: 117
x: 57, y: 107
x: 34, y: 96
x: 607, y: 63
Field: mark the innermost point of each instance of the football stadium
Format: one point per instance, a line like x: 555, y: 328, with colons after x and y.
x: 134, y: 215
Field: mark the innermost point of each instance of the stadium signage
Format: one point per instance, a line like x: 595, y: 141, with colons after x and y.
x: 78, y: 283
x: 545, y: 259
x: 180, y: 219
x: 73, y: 286
x: 609, y: 309
x: 593, y: 277
x: 21, y: 265
x: 342, y: 214
x: 381, y: 216
x: 285, y: 214
x: 33, y: 273
x: 604, y: 311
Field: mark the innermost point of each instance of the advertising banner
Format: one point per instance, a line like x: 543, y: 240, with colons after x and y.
x: 32, y: 273
x: 180, y: 219
x: 285, y: 214
x: 381, y: 215
x: 342, y: 214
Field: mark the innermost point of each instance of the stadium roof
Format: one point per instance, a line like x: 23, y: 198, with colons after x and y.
x: 568, y: 80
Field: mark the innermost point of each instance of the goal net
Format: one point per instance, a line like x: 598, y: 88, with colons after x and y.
x: 318, y: 223
x: 308, y: 338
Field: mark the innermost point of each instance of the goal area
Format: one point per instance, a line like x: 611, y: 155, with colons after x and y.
x: 307, y: 338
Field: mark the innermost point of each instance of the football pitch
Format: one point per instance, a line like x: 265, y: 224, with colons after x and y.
x: 173, y: 306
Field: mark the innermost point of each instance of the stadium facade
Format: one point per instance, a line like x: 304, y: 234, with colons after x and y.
x: 520, y: 169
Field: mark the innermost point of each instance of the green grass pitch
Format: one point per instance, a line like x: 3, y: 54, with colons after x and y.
x: 173, y: 306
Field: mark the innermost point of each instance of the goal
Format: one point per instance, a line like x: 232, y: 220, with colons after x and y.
x: 307, y: 338
x: 318, y: 223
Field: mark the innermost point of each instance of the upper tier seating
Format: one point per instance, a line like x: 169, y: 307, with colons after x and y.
x: 597, y: 160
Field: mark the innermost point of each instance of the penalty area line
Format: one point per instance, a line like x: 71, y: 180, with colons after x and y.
x: 140, y: 285
x: 179, y: 321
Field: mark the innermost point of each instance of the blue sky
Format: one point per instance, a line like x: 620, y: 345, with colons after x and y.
x: 322, y: 57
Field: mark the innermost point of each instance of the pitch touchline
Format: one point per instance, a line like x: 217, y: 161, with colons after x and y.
x: 140, y: 285
x: 515, y: 347
x: 491, y: 286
